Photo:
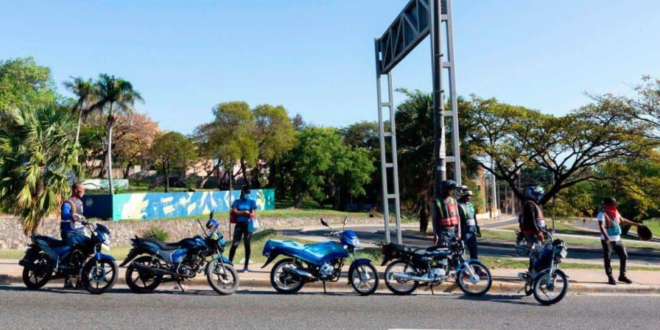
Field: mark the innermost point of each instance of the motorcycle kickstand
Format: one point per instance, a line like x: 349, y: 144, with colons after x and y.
x: 432, y: 292
x: 180, y: 286
x: 324, y: 290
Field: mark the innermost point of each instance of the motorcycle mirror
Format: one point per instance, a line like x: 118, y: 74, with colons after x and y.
x: 324, y: 223
x: 211, y: 215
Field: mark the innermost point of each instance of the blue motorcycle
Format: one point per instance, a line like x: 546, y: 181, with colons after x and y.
x: 48, y: 258
x: 159, y: 262
x: 319, y: 262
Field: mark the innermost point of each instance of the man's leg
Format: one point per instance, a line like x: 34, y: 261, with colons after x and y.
x: 620, y: 250
x: 67, y: 280
x: 471, y: 243
x: 236, y: 240
x: 607, y: 260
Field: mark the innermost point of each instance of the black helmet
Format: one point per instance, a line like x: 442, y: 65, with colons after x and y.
x: 644, y: 233
x: 610, y: 201
x: 448, y: 185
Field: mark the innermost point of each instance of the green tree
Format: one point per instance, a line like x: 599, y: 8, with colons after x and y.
x: 37, y: 155
x: 113, y: 96
x: 24, y: 85
x: 84, y: 91
x: 274, y: 135
x: 171, y: 150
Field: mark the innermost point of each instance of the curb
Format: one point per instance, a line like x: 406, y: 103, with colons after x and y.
x: 498, y: 287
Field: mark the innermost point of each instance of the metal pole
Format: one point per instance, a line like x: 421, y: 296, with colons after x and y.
x: 454, y: 101
x: 439, y: 151
x: 383, y: 159
x: 395, y: 167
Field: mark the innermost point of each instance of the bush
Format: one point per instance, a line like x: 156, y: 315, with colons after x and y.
x: 157, y: 233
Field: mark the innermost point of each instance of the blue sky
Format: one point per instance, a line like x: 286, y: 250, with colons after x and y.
x: 315, y: 57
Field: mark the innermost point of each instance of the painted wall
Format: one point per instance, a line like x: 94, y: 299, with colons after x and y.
x: 184, y: 204
x: 97, y: 184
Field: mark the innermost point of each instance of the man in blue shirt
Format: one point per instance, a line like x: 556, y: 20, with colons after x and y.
x: 243, y: 209
x: 72, y: 225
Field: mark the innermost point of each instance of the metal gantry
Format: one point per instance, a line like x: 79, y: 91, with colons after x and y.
x: 418, y: 19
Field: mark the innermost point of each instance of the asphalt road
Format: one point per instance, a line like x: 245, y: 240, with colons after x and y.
x: 121, y: 309
x: 487, y: 247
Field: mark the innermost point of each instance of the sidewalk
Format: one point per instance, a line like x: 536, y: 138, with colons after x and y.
x: 505, y: 281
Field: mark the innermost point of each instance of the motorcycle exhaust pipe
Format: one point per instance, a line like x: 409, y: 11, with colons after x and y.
x: 298, y: 273
x: 158, y: 271
x: 408, y: 277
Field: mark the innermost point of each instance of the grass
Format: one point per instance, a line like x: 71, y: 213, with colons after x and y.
x: 281, y: 213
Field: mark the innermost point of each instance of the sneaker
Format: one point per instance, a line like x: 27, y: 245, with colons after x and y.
x: 68, y: 285
x: 610, y: 280
x: 624, y: 279
x: 245, y: 270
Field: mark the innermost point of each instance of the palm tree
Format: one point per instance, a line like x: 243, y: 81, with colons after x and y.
x: 37, y: 158
x: 113, y: 96
x: 84, y: 91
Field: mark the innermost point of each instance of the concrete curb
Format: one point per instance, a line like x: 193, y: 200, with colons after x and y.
x: 498, y: 287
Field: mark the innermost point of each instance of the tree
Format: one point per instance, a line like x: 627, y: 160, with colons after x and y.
x: 569, y: 147
x: 84, y: 91
x: 135, y: 135
x: 171, y: 150
x: 113, y: 96
x: 37, y: 156
x: 274, y: 135
x: 24, y: 85
x: 645, y: 108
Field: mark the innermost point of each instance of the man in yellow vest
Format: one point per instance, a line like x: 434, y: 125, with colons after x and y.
x: 446, y: 223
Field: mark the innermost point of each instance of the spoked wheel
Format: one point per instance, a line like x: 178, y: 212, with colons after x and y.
x: 283, y: 282
x: 395, y: 283
x: 223, y: 278
x: 99, y: 276
x: 474, y: 279
x: 552, y: 292
x: 38, y: 274
x: 143, y: 281
x: 364, y: 279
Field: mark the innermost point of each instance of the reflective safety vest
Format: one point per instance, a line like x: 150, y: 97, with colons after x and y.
x: 67, y: 225
x: 447, y: 212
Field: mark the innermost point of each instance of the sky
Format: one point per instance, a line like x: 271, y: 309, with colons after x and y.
x: 316, y: 57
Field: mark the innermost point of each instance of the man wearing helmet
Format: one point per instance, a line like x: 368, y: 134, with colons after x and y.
x: 469, y: 226
x: 446, y: 222
x: 533, y: 223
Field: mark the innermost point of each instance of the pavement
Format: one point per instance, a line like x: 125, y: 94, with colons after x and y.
x: 201, y: 308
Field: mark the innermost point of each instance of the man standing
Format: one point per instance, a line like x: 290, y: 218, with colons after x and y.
x: 469, y: 226
x: 72, y: 225
x: 610, y: 222
x: 446, y: 223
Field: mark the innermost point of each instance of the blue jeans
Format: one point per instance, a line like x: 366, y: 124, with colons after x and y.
x: 445, y: 235
x: 470, y: 239
x: 73, y: 238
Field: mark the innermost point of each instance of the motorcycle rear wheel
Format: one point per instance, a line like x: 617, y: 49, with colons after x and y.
x: 35, y: 276
x: 285, y: 283
x: 150, y: 280
x: 222, y: 278
x: 400, y: 287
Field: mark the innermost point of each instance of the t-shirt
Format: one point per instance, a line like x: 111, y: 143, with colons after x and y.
x: 613, y: 238
x: 67, y: 215
x: 244, y: 204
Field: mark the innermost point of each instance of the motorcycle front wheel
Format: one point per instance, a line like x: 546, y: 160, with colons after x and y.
x: 283, y: 282
x: 38, y: 274
x: 364, y: 279
x: 99, y: 276
x: 552, y: 293
x: 223, y: 278
x: 400, y: 286
x: 143, y: 281
x: 477, y: 282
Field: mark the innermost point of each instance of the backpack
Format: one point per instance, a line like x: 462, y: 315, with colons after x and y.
x: 612, y: 226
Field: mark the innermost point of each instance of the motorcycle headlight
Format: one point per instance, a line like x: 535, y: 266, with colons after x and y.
x: 355, y: 242
x: 222, y: 242
x: 105, y: 246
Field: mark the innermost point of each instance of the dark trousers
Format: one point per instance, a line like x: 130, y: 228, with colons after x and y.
x: 241, y: 230
x: 470, y: 239
x: 445, y: 234
x: 620, y: 250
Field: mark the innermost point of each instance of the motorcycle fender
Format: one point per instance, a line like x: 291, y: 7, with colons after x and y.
x: 103, y: 257
x: 356, y: 263
x: 547, y: 270
x: 466, y: 263
x: 224, y: 259
x: 131, y: 255
x: 272, y: 256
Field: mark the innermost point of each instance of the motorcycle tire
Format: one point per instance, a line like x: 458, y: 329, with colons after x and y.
x: 109, y: 277
x: 368, y: 268
x: 34, y: 272
x: 133, y: 283
x: 389, y: 281
x: 464, y: 286
x: 274, y: 277
x: 224, y: 277
x: 539, y: 281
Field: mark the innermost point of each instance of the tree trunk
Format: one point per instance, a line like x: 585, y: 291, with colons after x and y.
x: 167, y: 176
x: 110, y: 183
x: 79, y: 124
x: 298, y: 202
x: 127, y: 170
x: 424, y: 217
x: 244, y: 171
x: 209, y: 175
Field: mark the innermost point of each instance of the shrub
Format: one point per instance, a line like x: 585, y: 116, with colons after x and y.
x: 157, y: 233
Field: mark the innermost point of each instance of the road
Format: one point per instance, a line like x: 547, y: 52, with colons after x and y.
x: 121, y: 309
x: 487, y: 247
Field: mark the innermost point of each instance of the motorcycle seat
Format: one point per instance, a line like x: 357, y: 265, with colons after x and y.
x: 433, y: 252
x: 51, y: 241
x: 163, y: 245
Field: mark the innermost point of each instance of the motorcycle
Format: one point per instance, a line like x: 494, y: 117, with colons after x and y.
x: 48, y: 258
x: 547, y: 282
x: 433, y: 266
x: 320, y: 262
x: 159, y: 262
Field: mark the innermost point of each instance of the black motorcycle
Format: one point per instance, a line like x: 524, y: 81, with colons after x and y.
x: 433, y: 266
x: 48, y: 258
x: 159, y: 262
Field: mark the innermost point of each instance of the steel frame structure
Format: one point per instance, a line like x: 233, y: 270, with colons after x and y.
x: 419, y: 19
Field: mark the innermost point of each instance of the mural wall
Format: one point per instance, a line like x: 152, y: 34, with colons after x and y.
x: 184, y: 204
x: 98, y: 184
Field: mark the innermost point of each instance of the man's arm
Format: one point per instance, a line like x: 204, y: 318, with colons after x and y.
x: 67, y: 211
x: 601, y: 226
x: 628, y: 222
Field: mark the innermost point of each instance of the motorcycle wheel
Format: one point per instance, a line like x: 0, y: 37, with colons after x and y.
x: 400, y: 287
x: 143, y: 282
x: 37, y: 275
x: 364, y: 279
x: 473, y: 289
x: 99, y: 277
x: 541, y: 289
x: 223, y: 278
x: 282, y: 282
